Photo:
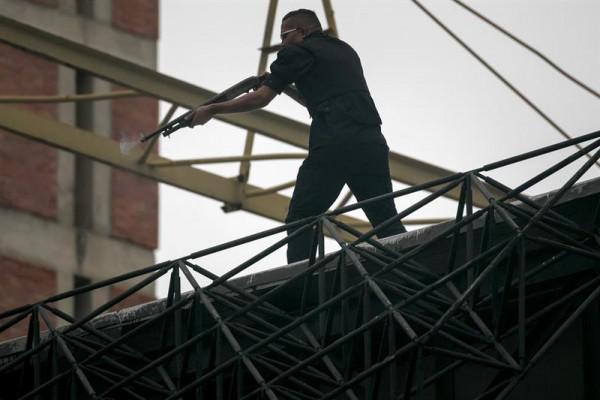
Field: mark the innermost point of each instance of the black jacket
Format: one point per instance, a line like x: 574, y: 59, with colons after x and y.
x: 329, y: 76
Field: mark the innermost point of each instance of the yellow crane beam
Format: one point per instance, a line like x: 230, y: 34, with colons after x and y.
x: 145, y: 80
x: 107, y: 151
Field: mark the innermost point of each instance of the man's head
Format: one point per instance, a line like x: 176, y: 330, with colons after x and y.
x: 295, y: 25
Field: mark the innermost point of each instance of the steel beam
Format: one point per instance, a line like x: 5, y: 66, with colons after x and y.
x: 329, y: 15
x: 107, y: 151
x: 145, y: 80
x: 228, y: 159
x: 69, y: 98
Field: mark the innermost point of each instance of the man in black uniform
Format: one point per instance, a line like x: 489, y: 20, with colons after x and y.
x: 345, y: 143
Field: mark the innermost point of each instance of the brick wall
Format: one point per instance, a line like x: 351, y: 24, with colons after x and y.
x: 28, y: 173
x: 27, y: 168
x: 139, y: 17
x: 23, y: 283
x: 134, y: 208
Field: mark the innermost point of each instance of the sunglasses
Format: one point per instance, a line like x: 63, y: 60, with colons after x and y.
x: 286, y: 33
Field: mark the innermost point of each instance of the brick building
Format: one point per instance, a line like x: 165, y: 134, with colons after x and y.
x: 68, y: 221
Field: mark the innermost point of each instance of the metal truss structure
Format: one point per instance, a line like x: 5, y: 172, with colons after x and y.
x: 487, y: 295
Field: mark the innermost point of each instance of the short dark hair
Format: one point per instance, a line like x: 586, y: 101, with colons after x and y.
x: 306, y: 19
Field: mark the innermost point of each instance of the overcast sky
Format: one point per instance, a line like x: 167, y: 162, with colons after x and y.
x: 438, y: 104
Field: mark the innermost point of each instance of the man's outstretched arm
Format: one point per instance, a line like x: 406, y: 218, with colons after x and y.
x: 247, y: 102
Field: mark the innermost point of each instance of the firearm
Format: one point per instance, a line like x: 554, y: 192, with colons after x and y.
x: 182, y: 121
x: 251, y: 83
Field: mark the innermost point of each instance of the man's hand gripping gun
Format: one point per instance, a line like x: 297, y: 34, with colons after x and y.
x: 244, y: 86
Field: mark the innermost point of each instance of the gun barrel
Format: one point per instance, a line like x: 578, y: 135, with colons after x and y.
x: 170, y: 127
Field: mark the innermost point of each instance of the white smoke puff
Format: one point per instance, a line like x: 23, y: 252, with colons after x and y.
x: 128, y: 142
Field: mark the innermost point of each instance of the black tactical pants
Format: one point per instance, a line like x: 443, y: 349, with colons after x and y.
x: 363, y: 167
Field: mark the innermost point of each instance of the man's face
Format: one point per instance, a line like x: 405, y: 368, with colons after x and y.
x: 290, y: 33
